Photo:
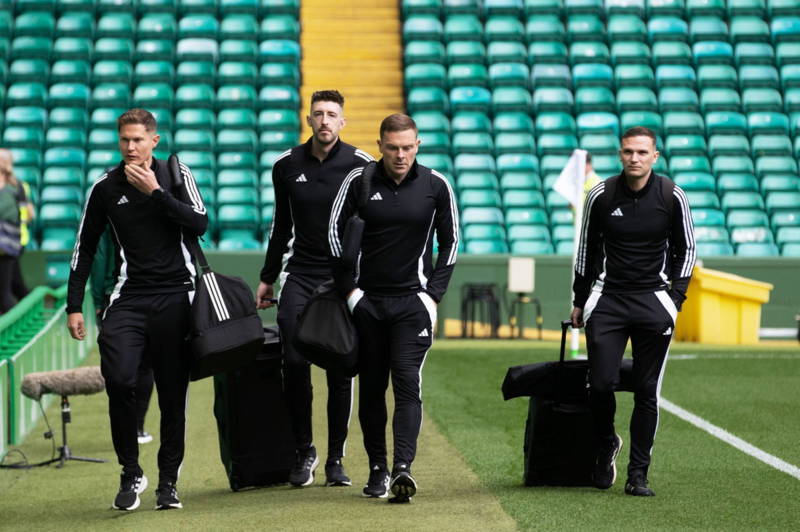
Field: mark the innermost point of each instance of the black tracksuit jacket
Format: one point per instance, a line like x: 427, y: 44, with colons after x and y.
x: 629, y: 244
x: 151, y: 255
x: 397, y: 246
x: 304, y: 191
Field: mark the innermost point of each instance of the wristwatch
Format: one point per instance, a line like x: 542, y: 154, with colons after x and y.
x: 157, y: 193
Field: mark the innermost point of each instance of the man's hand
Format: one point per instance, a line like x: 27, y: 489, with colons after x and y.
x: 577, y: 317
x: 76, y: 326
x: 264, y: 293
x: 143, y: 179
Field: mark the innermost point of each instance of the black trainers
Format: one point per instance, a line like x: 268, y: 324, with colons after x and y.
x: 144, y: 437
x: 167, y: 497
x: 129, y: 489
x: 637, y: 486
x: 605, y: 468
x: 403, y: 485
x: 302, y: 474
x: 378, y: 483
x: 334, y: 474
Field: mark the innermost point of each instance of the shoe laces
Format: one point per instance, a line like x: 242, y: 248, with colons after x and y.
x: 168, y: 488
x: 130, y: 483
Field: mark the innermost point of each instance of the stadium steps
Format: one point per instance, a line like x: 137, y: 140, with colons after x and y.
x: 355, y: 49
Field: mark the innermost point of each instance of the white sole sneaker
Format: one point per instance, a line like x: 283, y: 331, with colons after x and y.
x: 138, y: 501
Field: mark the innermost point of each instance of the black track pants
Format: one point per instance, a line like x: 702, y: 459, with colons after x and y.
x: 147, y: 327
x: 648, y: 320
x: 395, y: 334
x: 295, y: 291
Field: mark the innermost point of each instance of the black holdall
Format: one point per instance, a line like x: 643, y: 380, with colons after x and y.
x: 227, y: 332
x: 325, y: 334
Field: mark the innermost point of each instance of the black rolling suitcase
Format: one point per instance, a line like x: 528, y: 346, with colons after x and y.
x: 255, y: 435
x: 559, y: 448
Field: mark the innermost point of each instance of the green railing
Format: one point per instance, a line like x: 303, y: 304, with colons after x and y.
x: 4, y: 406
x: 34, y: 337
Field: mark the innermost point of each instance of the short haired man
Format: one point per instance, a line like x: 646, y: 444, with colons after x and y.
x: 148, y: 314
x: 394, y: 296
x: 306, y: 179
x: 633, y: 266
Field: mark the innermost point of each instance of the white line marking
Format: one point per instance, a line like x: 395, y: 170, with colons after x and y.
x: 733, y: 356
x: 730, y: 439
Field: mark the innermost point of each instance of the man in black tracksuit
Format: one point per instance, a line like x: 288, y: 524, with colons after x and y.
x: 305, y: 180
x: 394, y: 293
x: 148, y: 312
x: 633, y: 266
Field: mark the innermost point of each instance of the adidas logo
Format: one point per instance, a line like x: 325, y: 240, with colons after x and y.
x: 376, y: 196
x: 123, y: 200
x: 617, y: 212
x: 301, y: 179
x: 668, y: 331
x: 423, y: 332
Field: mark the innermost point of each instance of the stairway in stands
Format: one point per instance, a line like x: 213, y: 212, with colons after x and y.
x: 353, y: 47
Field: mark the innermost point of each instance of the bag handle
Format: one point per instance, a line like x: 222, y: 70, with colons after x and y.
x: 366, y: 183
x: 193, y: 242
x: 566, y: 324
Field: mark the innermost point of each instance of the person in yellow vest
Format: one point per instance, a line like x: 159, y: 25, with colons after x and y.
x: 12, y: 196
x: 591, y: 176
x: 26, y: 215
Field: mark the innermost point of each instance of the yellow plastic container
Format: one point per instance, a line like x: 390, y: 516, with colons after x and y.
x: 721, y: 308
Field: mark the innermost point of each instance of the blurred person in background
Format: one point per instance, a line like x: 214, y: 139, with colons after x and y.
x: 12, y: 201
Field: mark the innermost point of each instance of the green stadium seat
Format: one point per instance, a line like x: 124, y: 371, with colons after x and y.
x: 503, y: 7
x: 28, y: 70
x: 422, y: 28
x: 543, y: 7
x: 73, y: 94
x: 589, y: 99
x: 758, y: 76
x: 736, y: 182
x: 116, y: 25
x: 278, y: 74
x: 526, y: 199
x: 66, y: 157
x: 598, y: 123
x: 748, y: 53
x: 757, y: 249
x: 103, y: 158
x: 471, y: 121
x: 426, y: 99
x: 111, y: 71
x: 235, y: 72
x: 463, y: 74
x: 193, y: 139
x: 792, y: 100
x: 761, y: 99
x: 197, y: 159
x: 157, y: 26
x: 785, y: 28
x: 767, y: 123
x: 517, y: 216
x: 688, y: 163
x: 506, y: 52
x: 246, y: 140
x: 59, y: 215
x: 665, y: 8
x: 267, y: 195
x: 531, y: 247
x: 237, y: 196
x: 155, y: 6
x: 636, y: 99
x: 106, y: 117
x: 545, y: 28
x: 272, y: 27
x: 787, y: 235
x: 279, y: 51
x: 787, y: 53
x: 667, y: 28
x: 154, y: 72
x: 551, y: 99
x: 671, y: 53
x: 588, y: 52
x: 650, y: 119
x: 63, y: 176
x: 420, y: 7
x: 508, y: 99
x: 238, y: 217
x: 727, y: 145
x: 286, y: 7
x: 65, y: 137
x: 238, y: 160
x: 26, y: 116
x: 514, y: 143
x: 462, y: 28
x: 430, y: 121
x: 585, y: 27
x: 536, y: 232
x: 102, y: 139
x: 426, y: 75
x: 599, y: 144
x: 23, y: 137
x: 719, y: 99
x: 509, y: 74
x: 472, y: 143
x: 555, y: 122
x: 555, y: 144
x: 691, y: 181
x: 707, y: 28
x: 237, y: 96
x: 723, y: 76
x: 435, y: 142
x: 748, y: 29
x: 113, y: 48
x: 706, y: 8
x: 592, y: 75
x: 197, y: 49
x: 712, y: 52
x: 771, y: 145
x: 520, y: 180
x: 513, y: 122
x: 703, y: 217
x: 486, y: 247
x: 26, y: 94
x: 194, y: 95
x: 633, y: 75
x: 191, y: 72
x: 484, y: 232
x: 626, y: 27
x: 552, y: 164
x: 742, y: 200
x: 725, y: 122
x: 470, y: 162
x: 155, y: 50
x: 732, y: 163
x: 62, y: 194
x: 198, y: 26
x: 790, y: 249
x: 463, y: 99
x: 34, y: 24
x: 70, y: 71
x: 713, y: 249
x: 715, y: 233
x: 563, y: 233
x: 439, y: 162
x: 702, y: 199
x: 782, y: 201
x: 685, y: 145
x: 547, y: 52
x: 779, y: 183
x: 785, y: 218
x: 488, y: 215
x: 105, y: 6
x: 504, y: 28
x: 477, y: 180
x: 424, y: 52
x: 103, y: 95
x: 747, y: 218
x: 550, y: 75
x: 630, y: 52
x: 277, y: 120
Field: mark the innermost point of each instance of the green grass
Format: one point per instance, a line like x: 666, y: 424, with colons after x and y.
x: 470, y: 459
x: 700, y: 481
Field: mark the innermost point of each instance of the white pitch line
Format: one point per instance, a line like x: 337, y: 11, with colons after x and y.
x: 734, y: 356
x: 730, y: 439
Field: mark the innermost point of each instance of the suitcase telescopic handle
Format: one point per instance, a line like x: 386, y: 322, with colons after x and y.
x: 566, y: 324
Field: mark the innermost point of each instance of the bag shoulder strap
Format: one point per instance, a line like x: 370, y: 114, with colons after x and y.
x: 176, y: 184
x: 365, y: 183
x: 667, y: 187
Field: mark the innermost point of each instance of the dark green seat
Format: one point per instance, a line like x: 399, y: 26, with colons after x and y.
x: 506, y: 52
x: 471, y: 121
x: 62, y: 194
x: 196, y: 72
x: 237, y: 72
x: 504, y: 28
x: 648, y: 119
x: 279, y: 50
x: 429, y: 121
x: 245, y: 139
x: 667, y: 28
x: 155, y: 50
x: 732, y: 163
x: 425, y: 75
x: 484, y: 232
x: 103, y: 95
x: 153, y: 95
x: 727, y: 145
x: 490, y: 215
x: 464, y: 162
x: 598, y: 123
x: 785, y: 28
x: 714, y: 249
x: 154, y: 72
x: 517, y: 216
x: 690, y: 181
x: 193, y: 139
x: 634, y: 75
x: 26, y: 116
x: 702, y: 199
x: 157, y: 26
x: 688, y: 163
x: 424, y: 52
x: 236, y: 96
x: 589, y: 99
x: 538, y: 232
x: 520, y: 180
x: 549, y: 99
x: 585, y: 27
x: 272, y: 119
x: 509, y: 74
x: 675, y: 76
x: 717, y: 76
x: 59, y: 215
x: 635, y: 99
x: 509, y: 99
x: 103, y: 158
x: 545, y: 28
x: 423, y: 28
x: 465, y: 52
x: 707, y: 217
x: 461, y: 74
x: 70, y: 71
x: 513, y: 122
x: 516, y: 198
x: 720, y: 99
x: 626, y: 27
x: 66, y: 137
x: 599, y: 144
x: 749, y: 53
x: 26, y: 94
x: 588, y: 52
x: 555, y: 144
x: 708, y: 28
x: 555, y: 122
x: 685, y: 145
x: 517, y: 162
x: 113, y: 48
x: 547, y: 52
x: 103, y: 139
x: 23, y: 137
x: 725, y: 122
x: 469, y: 143
x: 31, y: 48
x: 550, y: 75
x: 630, y: 52
x: 466, y: 99
x: 272, y: 27
x: 440, y: 162
x: 592, y: 75
x: 486, y: 247
x: 742, y: 200
x: 434, y: 142
x: 29, y: 70
x: 116, y: 25
x: 767, y: 123
x: 238, y: 160
x: 420, y: 7
x: 565, y: 216
x: 477, y: 180
x: 241, y: 50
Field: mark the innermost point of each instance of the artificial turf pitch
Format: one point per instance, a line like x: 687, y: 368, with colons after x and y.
x: 469, y: 465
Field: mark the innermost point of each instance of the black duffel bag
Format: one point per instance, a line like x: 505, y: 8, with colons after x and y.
x: 566, y: 380
x: 325, y: 333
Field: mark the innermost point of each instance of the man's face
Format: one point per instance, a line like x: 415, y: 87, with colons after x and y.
x: 326, y: 120
x: 638, y: 154
x: 399, y: 149
x: 136, y: 144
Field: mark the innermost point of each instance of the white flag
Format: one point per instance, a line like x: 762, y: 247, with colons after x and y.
x: 570, y: 183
